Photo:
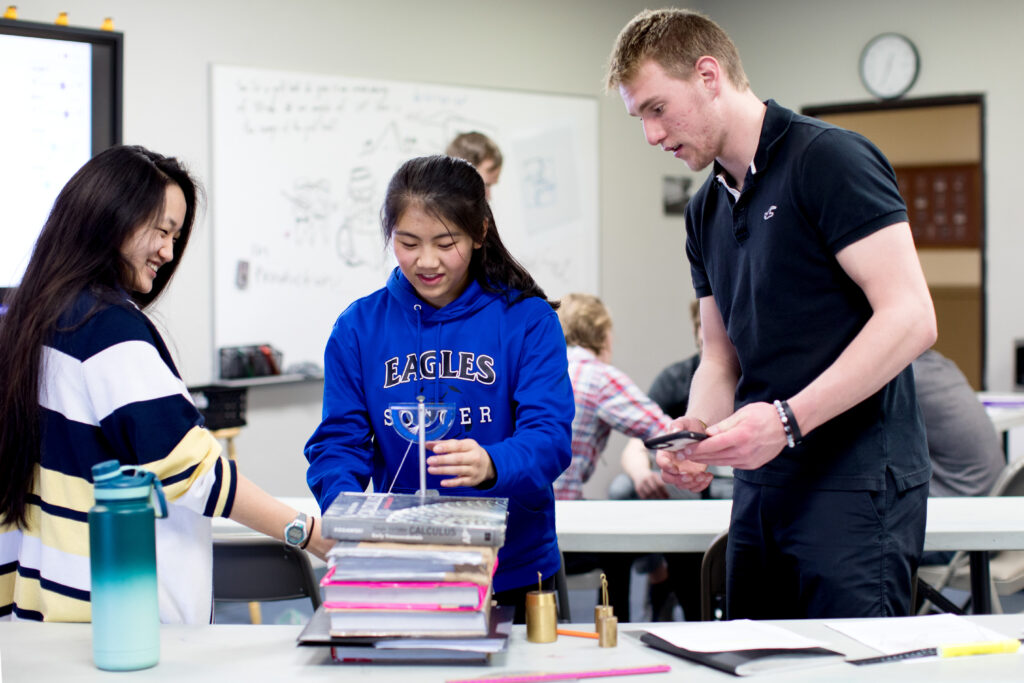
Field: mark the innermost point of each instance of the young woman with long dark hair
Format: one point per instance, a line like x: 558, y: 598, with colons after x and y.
x: 85, y: 377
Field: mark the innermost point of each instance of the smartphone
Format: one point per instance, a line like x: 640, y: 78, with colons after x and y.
x: 674, y: 439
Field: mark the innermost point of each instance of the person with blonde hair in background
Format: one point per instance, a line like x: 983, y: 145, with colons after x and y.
x: 482, y: 152
x: 606, y: 398
x: 675, y: 574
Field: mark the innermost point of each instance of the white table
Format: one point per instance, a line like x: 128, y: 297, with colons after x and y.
x: 982, y: 523
x: 985, y: 523
x: 1006, y: 412
x: 977, y: 525
x: 1005, y: 418
x: 196, y: 654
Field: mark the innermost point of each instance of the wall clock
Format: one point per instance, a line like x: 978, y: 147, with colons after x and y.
x: 889, y: 64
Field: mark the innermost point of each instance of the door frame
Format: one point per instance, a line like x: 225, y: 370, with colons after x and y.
x: 921, y: 103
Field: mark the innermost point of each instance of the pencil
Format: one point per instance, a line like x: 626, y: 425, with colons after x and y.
x: 578, y: 634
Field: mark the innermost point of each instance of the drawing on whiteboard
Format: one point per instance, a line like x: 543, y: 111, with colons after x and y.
x: 439, y: 127
x: 549, y: 175
x: 374, y: 98
x: 390, y: 140
x: 555, y: 273
x: 539, y: 189
x: 311, y: 207
x: 300, y: 164
x: 418, y: 133
x: 357, y: 241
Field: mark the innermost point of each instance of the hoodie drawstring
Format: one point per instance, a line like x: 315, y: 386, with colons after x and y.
x: 419, y: 338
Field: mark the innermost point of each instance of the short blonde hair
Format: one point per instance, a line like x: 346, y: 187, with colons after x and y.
x: 476, y: 148
x: 585, y: 321
x: 674, y: 39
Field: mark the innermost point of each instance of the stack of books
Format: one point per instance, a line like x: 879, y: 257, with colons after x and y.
x: 410, y: 578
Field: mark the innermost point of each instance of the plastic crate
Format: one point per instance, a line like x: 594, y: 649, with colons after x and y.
x: 222, y: 407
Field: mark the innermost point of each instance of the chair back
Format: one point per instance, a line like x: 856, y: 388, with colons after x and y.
x: 262, y: 570
x: 562, y: 592
x: 1011, y: 480
x: 1006, y: 567
x: 712, y: 578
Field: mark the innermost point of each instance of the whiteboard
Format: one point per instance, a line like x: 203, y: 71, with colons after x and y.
x: 300, y: 166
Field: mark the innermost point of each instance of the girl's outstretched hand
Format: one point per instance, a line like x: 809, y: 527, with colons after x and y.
x: 463, y: 460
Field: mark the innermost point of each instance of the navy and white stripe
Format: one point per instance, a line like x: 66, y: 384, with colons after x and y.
x: 109, y: 389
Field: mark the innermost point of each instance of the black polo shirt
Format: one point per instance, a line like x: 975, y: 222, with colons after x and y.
x: 769, y: 260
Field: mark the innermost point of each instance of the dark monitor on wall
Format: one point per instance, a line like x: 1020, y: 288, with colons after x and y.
x: 61, y: 92
x: 1018, y: 364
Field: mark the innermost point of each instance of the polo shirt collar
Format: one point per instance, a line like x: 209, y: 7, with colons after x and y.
x: 776, y: 122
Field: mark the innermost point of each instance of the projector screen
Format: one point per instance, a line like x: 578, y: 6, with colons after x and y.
x: 61, y: 89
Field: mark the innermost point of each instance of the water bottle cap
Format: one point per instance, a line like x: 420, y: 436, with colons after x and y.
x: 105, y: 469
x: 110, y: 482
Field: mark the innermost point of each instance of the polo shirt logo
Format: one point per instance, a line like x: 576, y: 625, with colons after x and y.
x: 770, y: 212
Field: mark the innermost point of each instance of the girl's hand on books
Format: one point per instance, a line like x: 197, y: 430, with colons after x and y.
x: 464, y: 460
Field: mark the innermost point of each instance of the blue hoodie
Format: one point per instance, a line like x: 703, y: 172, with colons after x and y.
x: 503, y: 366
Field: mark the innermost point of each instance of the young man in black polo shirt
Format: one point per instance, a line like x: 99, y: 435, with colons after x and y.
x: 813, y: 305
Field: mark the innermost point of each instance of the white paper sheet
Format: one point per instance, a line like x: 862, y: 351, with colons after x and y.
x: 891, y: 636
x: 724, y: 636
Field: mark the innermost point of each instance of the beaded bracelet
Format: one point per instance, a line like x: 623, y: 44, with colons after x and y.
x: 798, y: 436
x: 789, y: 425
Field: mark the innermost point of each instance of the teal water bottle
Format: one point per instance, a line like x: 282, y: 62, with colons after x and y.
x: 122, y: 555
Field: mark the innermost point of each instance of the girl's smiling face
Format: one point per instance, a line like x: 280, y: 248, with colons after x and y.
x: 152, y: 245
x: 434, y: 256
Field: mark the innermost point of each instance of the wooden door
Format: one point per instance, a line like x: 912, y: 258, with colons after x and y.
x: 935, y: 147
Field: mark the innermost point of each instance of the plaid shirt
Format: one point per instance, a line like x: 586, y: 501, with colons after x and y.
x: 606, y: 399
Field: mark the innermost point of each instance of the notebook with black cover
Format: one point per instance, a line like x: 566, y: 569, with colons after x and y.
x: 748, y: 662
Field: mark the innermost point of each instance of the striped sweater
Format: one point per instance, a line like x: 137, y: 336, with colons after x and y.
x: 109, y: 389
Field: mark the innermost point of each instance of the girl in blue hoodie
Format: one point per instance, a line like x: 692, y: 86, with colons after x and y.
x: 459, y: 321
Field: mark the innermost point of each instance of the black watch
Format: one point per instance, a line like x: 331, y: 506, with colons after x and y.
x: 297, y: 531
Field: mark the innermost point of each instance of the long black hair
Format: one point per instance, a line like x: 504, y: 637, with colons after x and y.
x: 103, y: 205
x: 452, y: 191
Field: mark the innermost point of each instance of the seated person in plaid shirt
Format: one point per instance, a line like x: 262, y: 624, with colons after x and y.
x: 605, y: 399
x: 672, y: 573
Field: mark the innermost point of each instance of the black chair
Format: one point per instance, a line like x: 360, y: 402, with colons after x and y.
x: 712, y: 578
x: 262, y: 570
x: 562, y: 593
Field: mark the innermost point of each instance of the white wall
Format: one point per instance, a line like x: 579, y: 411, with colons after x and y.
x: 803, y: 52
x: 796, y: 51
